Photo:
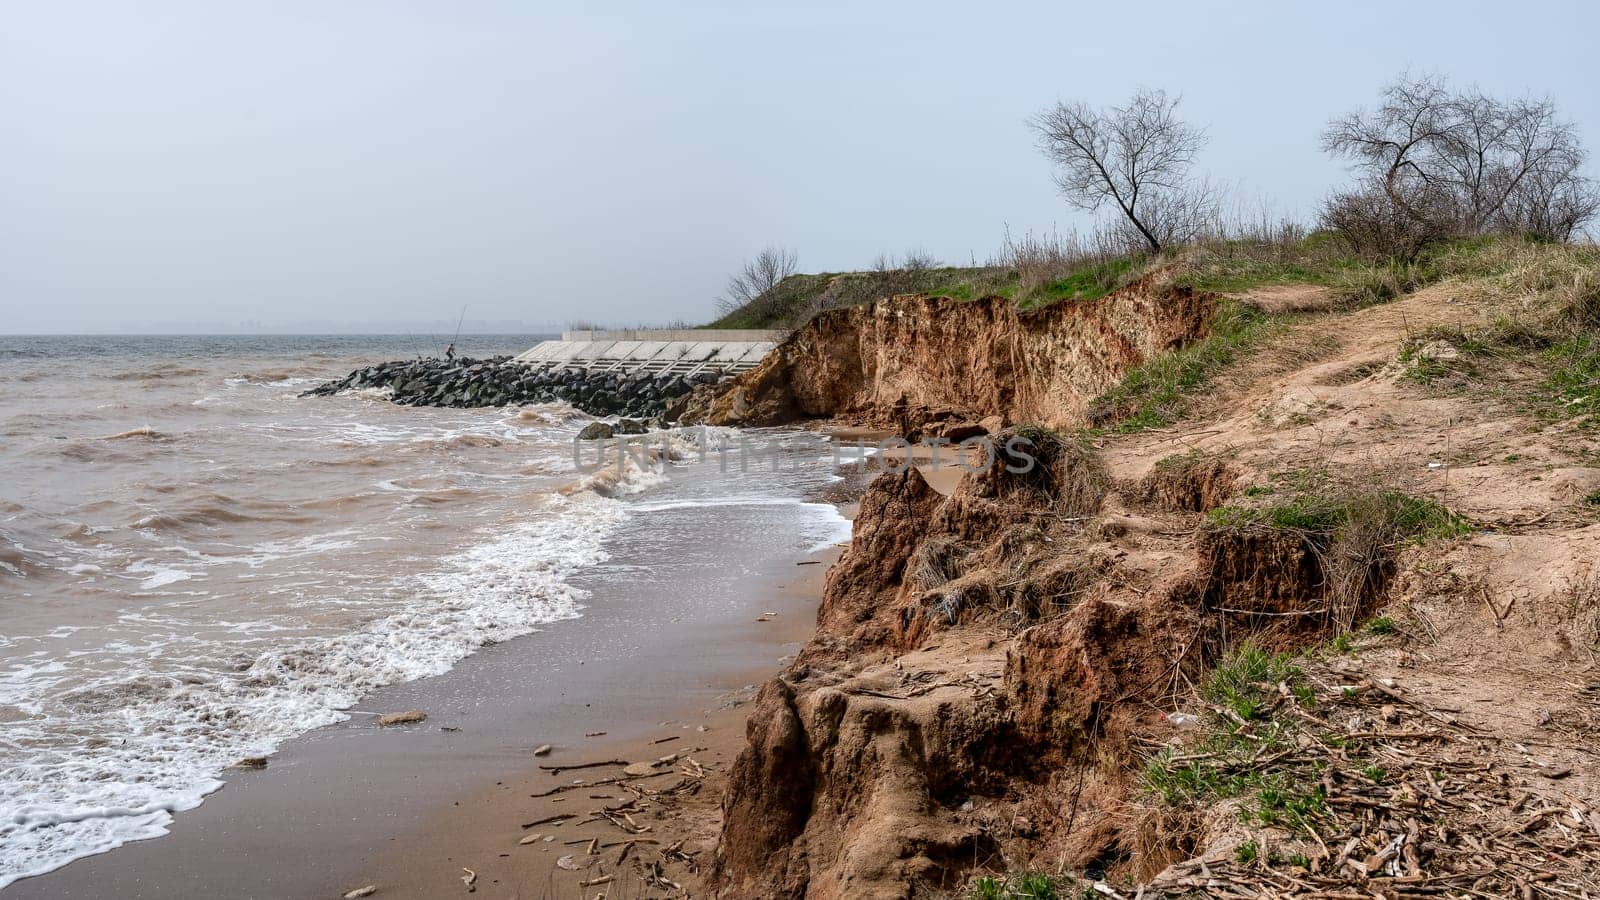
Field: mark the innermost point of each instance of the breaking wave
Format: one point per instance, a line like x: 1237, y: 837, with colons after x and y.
x: 177, y: 734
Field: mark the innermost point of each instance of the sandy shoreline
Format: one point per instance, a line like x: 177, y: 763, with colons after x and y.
x: 353, y: 804
x: 483, y: 832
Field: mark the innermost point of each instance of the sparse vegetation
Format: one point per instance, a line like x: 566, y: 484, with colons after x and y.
x: 1283, y: 255
x: 1552, y: 329
x: 1245, y: 683
x: 1382, y: 625
x: 1243, y: 697
x: 1395, y: 514
x: 1311, y: 772
x: 1158, y: 393
x: 753, y: 286
x: 1022, y: 886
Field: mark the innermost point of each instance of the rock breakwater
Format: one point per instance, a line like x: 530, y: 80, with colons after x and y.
x: 502, y: 381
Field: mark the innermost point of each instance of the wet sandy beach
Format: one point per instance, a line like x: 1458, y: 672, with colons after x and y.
x: 407, y: 807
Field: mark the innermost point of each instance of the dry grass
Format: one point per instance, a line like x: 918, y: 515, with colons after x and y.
x: 937, y: 562
x: 1542, y: 343
x: 1066, y: 472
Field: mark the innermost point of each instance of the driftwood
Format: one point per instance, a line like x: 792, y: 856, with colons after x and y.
x: 548, y: 819
x: 557, y: 770
x: 647, y: 859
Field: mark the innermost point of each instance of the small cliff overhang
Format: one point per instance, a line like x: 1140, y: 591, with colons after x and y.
x: 687, y: 351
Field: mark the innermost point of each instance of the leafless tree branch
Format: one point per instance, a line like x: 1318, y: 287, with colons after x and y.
x: 754, y: 282
x: 1461, y: 162
x: 1136, y: 158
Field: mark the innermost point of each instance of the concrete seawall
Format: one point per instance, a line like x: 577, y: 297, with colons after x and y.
x: 655, y: 352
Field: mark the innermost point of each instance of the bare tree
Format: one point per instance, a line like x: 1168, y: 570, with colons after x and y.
x: 755, y: 281
x: 1136, y: 157
x: 1461, y: 162
x: 918, y: 260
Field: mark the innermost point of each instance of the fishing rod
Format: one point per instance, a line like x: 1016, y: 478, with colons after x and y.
x: 416, y: 346
x: 459, y: 320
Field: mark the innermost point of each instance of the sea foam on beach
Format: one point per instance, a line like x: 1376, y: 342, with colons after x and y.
x: 116, y: 755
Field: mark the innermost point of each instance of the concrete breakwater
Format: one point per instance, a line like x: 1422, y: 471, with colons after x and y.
x: 504, y: 381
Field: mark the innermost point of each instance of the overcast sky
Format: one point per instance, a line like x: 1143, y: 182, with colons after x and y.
x: 204, y: 164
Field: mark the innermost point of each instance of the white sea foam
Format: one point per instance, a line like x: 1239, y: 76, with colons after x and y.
x: 823, y: 527
x: 157, y: 576
x: 150, y: 743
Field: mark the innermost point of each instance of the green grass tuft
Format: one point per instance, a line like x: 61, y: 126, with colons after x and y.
x: 1243, y: 697
x: 1020, y: 886
x: 1408, y: 517
x: 1572, y: 390
x: 1246, y: 681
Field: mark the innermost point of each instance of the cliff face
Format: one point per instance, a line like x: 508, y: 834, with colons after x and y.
x: 994, y: 668
x: 982, y: 672
x: 910, y: 361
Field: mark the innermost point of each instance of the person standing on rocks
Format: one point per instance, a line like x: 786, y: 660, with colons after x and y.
x: 450, y: 351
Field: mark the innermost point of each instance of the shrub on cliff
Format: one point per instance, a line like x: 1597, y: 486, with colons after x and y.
x: 1436, y: 161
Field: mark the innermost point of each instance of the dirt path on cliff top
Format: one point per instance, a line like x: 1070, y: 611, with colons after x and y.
x: 1330, y: 395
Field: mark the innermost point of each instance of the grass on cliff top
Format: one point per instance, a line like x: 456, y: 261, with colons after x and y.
x: 1158, y: 393
x: 1320, y: 259
x: 1547, y: 320
x: 1034, y: 280
x: 799, y: 297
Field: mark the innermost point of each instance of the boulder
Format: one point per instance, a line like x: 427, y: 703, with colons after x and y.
x: 596, y: 431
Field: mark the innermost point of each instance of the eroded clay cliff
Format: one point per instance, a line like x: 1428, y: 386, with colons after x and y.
x: 972, y: 652
x: 909, y: 361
